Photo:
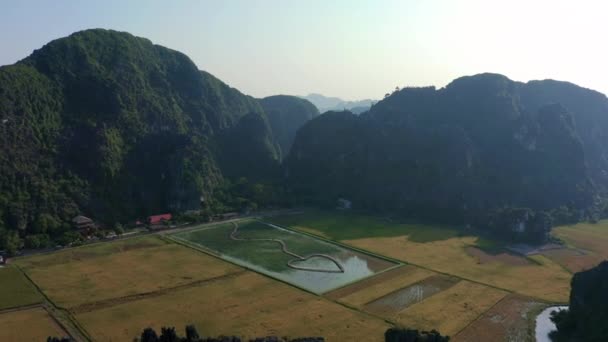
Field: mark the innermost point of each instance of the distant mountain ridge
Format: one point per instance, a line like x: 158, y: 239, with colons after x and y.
x: 324, y: 103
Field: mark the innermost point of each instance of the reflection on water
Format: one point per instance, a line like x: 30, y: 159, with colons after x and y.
x: 544, y: 325
x: 355, y: 268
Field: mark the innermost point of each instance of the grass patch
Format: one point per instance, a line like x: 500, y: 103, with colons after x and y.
x: 265, y: 253
x: 28, y: 325
x: 85, y: 275
x: 246, y: 305
x: 347, y: 226
x: 16, y: 290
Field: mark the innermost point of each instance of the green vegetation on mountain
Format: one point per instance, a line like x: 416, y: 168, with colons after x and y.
x: 106, y: 124
x: 286, y: 115
x: 111, y: 126
x: 484, y: 150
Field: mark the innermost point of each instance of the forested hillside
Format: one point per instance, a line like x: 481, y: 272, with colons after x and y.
x: 109, y: 125
x: 483, y: 149
x: 106, y: 124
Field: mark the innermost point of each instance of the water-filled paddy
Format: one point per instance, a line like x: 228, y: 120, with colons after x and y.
x: 320, y: 273
x: 403, y: 298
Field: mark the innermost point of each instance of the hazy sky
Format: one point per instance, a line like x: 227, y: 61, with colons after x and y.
x: 349, y: 48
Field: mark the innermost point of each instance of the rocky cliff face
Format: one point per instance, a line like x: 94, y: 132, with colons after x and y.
x: 480, y: 143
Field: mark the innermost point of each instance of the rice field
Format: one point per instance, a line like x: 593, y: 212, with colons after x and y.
x: 243, y: 282
x: 102, y: 272
x: 33, y: 324
x: 587, y: 245
x: 442, y: 249
x: 246, y: 305
x: 16, y: 290
x: 508, y: 320
x: 298, y: 259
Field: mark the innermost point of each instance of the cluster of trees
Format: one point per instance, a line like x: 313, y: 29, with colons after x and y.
x: 168, y: 334
x: 58, y: 339
x: 412, y: 335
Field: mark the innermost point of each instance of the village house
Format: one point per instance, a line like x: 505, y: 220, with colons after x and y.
x: 158, y: 221
x: 84, y: 225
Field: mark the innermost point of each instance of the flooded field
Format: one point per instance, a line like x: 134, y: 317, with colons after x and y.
x: 403, y: 298
x: 298, y: 259
x: 544, y: 325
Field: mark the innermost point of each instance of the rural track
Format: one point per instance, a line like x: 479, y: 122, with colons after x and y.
x: 233, y: 236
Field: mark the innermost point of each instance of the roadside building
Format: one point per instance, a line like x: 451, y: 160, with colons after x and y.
x: 159, y: 221
x: 84, y: 225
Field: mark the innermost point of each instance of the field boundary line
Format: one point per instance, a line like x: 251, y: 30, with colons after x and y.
x: 59, y: 323
x: 21, y: 308
x: 75, y: 324
x: 481, y: 314
x: 111, y: 302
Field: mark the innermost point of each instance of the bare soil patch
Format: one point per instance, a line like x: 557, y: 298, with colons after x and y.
x: 505, y: 321
x: 503, y: 257
x: 574, y: 260
x: 451, y: 310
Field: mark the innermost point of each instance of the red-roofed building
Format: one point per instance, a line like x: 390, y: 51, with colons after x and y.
x: 158, y: 219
